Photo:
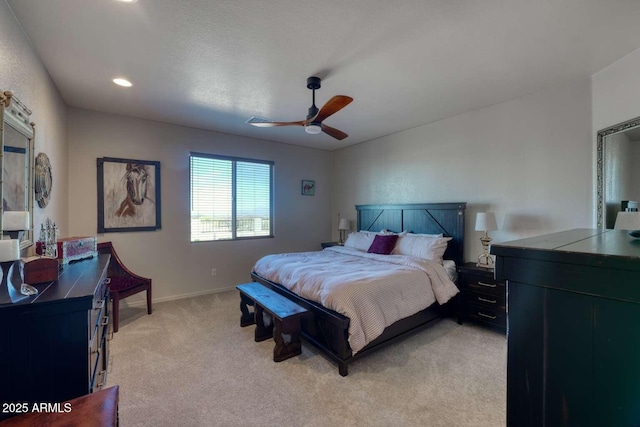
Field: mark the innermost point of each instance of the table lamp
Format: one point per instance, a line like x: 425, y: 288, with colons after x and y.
x: 14, y: 223
x: 627, y: 221
x: 344, y: 226
x: 485, y: 221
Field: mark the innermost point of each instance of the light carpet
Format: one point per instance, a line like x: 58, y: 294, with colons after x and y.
x: 191, y: 364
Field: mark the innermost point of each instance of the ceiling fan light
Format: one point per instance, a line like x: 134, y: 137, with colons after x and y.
x: 313, y: 129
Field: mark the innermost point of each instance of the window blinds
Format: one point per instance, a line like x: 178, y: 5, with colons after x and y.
x: 231, y: 198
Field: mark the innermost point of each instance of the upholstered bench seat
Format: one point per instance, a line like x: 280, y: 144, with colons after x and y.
x: 274, y: 316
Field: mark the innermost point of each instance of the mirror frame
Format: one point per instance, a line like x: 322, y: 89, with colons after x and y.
x: 601, y: 135
x: 15, y: 114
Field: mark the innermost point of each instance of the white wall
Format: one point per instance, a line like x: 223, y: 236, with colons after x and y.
x: 616, y: 95
x: 178, y: 267
x: 529, y: 160
x: 22, y: 73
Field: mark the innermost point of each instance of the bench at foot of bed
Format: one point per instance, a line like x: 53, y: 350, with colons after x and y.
x: 274, y: 316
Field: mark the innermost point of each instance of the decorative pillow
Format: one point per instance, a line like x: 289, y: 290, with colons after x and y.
x: 425, y: 247
x: 360, y: 240
x: 383, y: 244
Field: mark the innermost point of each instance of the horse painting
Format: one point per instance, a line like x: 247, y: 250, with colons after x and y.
x: 136, y: 185
x: 128, y: 195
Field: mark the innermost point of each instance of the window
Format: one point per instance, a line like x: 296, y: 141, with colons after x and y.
x: 231, y: 198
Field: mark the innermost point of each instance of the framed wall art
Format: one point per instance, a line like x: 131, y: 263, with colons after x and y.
x: 308, y: 187
x: 43, y: 180
x: 128, y: 195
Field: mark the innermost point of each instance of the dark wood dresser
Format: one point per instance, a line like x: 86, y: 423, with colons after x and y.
x: 54, y: 345
x: 482, y: 297
x: 573, y: 340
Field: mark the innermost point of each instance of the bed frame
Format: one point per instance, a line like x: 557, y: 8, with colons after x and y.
x: 328, y: 330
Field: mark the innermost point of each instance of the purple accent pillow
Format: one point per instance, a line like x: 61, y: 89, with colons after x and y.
x: 383, y: 244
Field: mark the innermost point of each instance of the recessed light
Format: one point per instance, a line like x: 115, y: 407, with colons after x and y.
x: 122, y: 82
x: 127, y: 1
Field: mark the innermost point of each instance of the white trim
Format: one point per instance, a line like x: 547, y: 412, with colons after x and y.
x: 143, y: 302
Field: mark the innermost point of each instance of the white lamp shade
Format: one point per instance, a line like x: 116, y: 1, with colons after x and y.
x: 344, y: 224
x: 627, y: 221
x: 9, y: 250
x: 15, y: 221
x: 486, y: 221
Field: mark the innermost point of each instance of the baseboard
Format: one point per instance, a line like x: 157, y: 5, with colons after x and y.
x: 143, y: 302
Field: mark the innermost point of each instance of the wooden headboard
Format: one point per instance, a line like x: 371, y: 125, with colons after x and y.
x: 426, y: 218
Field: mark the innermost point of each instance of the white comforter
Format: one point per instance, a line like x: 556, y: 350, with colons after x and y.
x: 372, y: 290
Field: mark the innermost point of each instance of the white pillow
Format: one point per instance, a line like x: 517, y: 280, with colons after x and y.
x: 360, y: 240
x: 420, y: 246
x: 384, y: 231
x: 418, y: 234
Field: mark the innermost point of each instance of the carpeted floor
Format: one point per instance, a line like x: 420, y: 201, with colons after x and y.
x: 190, y: 364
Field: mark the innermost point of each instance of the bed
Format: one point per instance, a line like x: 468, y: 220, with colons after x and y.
x: 328, y: 330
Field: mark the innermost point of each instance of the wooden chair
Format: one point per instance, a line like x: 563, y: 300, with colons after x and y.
x: 123, y: 283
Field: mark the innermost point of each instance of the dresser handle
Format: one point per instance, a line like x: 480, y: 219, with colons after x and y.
x: 487, y: 316
x: 105, y: 321
x: 99, y: 305
x: 492, y: 301
x: 102, y: 383
x: 488, y: 285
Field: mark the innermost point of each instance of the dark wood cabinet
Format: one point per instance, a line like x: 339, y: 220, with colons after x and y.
x: 54, y: 345
x: 573, y: 341
x: 482, y: 297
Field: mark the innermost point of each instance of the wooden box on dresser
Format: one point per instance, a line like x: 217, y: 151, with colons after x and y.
x: 482, y: 297
x: 573, y: 346
x: 54, y: 345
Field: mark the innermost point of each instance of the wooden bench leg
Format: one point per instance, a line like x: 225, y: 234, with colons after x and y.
x: 247, y: 317
x: 264, y: 330
x: 285, y: 350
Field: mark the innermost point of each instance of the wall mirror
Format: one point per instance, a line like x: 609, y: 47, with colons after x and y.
x: 618, y: 176
x: 16, y: 161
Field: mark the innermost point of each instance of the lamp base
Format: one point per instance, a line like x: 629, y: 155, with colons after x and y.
x: 9, y: 294
x: 485, y: 260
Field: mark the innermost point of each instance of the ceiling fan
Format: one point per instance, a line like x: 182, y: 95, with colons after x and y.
x: 313, y: 123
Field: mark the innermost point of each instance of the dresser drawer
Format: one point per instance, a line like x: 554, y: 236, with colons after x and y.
x: 99, y: 322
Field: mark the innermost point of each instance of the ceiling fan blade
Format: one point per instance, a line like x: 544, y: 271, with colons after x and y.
x: 332, y: 106
x: 264, y: 123
x: 336, y: 133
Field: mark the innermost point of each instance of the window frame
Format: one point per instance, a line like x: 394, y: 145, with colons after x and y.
x: 234, y: 160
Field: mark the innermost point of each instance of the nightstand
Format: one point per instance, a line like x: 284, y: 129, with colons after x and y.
x: 328, y: 244
x: 482, y: 298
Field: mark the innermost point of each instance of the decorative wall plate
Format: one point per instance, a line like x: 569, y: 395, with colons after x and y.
x: 43, y: 180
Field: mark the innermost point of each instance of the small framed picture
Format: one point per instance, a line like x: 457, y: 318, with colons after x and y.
x: 308, y: 187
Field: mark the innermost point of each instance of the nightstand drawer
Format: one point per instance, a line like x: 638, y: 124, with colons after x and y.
x: 483, y: 298
x: 489, y: 301
x: 482, y: 313
x: 484, y: 284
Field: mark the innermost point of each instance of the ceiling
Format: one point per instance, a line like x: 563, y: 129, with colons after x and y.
x: 214, y: 64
